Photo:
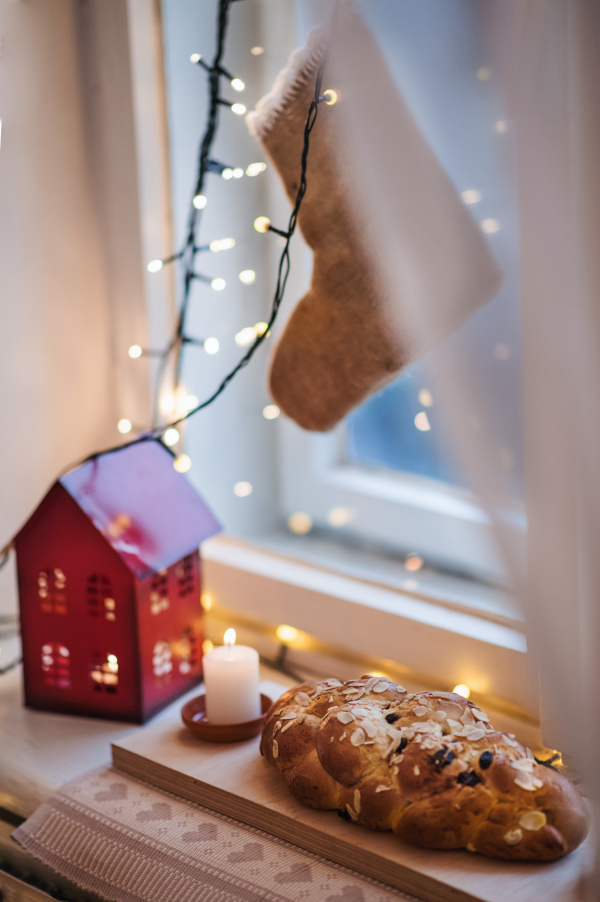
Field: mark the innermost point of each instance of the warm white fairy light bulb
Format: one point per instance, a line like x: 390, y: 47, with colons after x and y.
x: 211, y: 345
x: 247, y: 276
x: 195, y: 57
x: 490, y: 226
x: 471, y: 196
x: 262, y: 223
x: 245, y: 336
x: 300, y: 523
x: 237, y: 84
x: 255, y: 169
x: 422, y: 422
x: 191, y: 401
x: 260, y: 328
x: 171, y: 437
x: 227, y: 173
x: 271, y: 412
x: 124, y: 426
x: 242, y: 489
x: 135, y: 351
x: 462, y: 689
x: 330, y: 96
x: 155, y: 265
x: 257, y: 51
x: 222, y: 244
x: 238, y: 173
x: 218, y: 284
x: 238, y: 108
x: 199, y: 202
x: 182, y: 463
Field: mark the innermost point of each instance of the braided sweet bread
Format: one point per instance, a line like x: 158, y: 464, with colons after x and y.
x: 428, y: 766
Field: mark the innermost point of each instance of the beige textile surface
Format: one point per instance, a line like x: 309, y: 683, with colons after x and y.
x: 118, y: 837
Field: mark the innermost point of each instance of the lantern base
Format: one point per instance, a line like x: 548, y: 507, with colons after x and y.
x: 194, y: 717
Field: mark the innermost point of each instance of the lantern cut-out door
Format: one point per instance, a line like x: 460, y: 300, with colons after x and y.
x: 109, y: 587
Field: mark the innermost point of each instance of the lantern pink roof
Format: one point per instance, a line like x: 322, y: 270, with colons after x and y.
x: 148, y: 512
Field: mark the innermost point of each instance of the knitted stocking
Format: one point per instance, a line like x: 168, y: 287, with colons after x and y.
x: 346, y: 338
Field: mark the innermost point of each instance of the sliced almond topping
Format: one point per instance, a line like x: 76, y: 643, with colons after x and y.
x: 330, y: 698
x: 510, y: 741
x: 370, y: 683
x: 288, y: 725
x: 513, y: 837
x: 475, y: 735
x: 439, y: 716
x: 275, y: 749
x: 302, y: 699
x: 380, y: 687
x: 479, y: 715
x: 424, y: 727
x: 350, y: 692
x: 301, y: 718
x: 343, y: 736
x: 524, y: 764
x: 467, y: 718
x: 352, y: 812
x: 382, y: 788
x: 532, y: 820
x: 291, y: 715
x: 358, y: 709
x: 332, y: 738
x: 358, y: 737
x: 276, y: 728
x: 420, y: 710
x: 454, y: 724
x: 369, y: 728
x: 345, y: 716
x: 396, y: 770
x: 357, y: 800
x: 528, y: 781
x: 416, y: 770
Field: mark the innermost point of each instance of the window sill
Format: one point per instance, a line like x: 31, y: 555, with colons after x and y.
x: 421, y: 636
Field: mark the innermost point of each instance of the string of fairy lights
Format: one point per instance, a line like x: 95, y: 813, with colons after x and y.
x: 253, y: 336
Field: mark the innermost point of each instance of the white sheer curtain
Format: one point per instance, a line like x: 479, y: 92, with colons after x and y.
x: 547, y: 56
x: 71, y: 279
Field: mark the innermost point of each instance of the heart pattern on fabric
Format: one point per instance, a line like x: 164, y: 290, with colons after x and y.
x: 252, y: 851
x: 348, y: 894
x: 116, y: 792
x: 202, y: 833
x: 160, y: 811
x: 299, y: 873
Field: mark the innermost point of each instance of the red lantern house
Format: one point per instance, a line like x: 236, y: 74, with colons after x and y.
x: 109, y: 587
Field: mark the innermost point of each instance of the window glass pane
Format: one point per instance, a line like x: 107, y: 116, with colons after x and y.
x: 438, y: 54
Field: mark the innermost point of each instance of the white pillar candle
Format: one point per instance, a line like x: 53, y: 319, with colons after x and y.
x: 231, y: 680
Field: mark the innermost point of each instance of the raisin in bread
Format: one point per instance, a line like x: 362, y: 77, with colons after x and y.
x: 428, y: 766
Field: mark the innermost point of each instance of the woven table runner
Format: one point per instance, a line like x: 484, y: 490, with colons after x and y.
x: 120, y: 838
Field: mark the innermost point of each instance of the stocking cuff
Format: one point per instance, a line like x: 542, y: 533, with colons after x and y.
x: 301, y: 62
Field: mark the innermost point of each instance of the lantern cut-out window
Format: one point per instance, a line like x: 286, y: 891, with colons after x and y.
x: 56, y: 665
x: 185, y: 576
x: 162, y: 659
x: 105, y: 674
x: 159, y: 592
x: 100, y: 597
x: 52, y: 591
x: 187, y: 651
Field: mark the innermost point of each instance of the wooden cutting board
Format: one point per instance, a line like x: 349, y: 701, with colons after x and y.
x: 236, y: 781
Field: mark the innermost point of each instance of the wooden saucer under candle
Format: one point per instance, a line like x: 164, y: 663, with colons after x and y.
x: 193, y: 715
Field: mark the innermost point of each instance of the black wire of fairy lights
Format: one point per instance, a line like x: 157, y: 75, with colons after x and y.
x: 190, y: 248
